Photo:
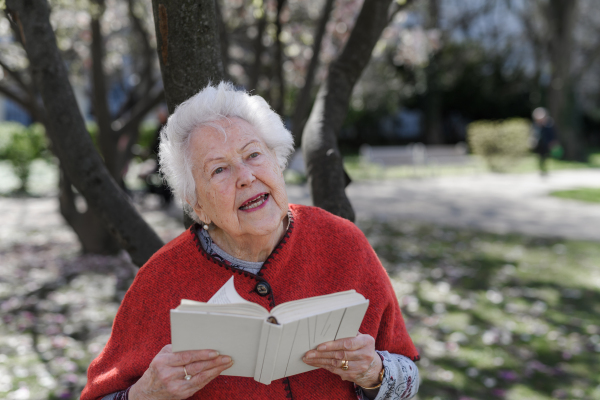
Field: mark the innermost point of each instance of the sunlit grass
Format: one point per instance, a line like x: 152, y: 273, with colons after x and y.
x: 493, y: 316
x: 360, y: 170
x: 496, y: 316
x: 590, y: 195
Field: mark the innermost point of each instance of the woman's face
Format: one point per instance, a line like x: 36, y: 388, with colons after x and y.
x: 239, y: 184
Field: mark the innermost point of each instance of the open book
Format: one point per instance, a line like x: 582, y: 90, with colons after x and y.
x: 265, y: 346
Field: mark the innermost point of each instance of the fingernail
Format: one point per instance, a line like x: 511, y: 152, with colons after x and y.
x: 213, y: 354
x: 225, y: 360
x: 322, y: 347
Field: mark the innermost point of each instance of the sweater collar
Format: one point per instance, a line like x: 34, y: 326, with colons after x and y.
x: 272, y: 257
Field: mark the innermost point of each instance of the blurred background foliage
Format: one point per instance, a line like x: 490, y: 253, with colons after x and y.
x: 21, y: 145
x: 501, y: 144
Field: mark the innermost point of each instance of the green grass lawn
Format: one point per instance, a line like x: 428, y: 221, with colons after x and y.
x: 496, y: 316
x: 590, y: 195
x: 362, y: 171
x: 493, y: 316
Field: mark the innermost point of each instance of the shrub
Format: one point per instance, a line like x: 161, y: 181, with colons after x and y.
x: 21, y: 145
x: 500, y: 143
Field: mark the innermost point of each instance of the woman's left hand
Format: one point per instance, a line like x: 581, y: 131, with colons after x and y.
x: 364, y: 364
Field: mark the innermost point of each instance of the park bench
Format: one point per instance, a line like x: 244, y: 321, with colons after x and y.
x: 424, y: 160
x: 415, y: 155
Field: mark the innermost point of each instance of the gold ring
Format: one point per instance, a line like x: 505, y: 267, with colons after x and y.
x: 345, y: 365
x: 187, y: 376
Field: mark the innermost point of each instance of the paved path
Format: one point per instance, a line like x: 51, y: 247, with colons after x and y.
x: 497, y: 203
x: 492, y: 202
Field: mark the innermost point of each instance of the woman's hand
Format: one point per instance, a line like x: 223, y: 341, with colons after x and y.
x: 165, y: 377
x: 364, y: 364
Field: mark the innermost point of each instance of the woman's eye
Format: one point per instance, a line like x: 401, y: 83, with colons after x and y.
x: 254, y: 155
x: 218, y: 170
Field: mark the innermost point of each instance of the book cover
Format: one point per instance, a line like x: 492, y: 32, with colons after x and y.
x: 265, y: 345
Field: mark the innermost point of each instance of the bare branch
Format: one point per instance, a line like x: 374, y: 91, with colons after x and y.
x: 70, y: 139
x: 259, y: 47
x: 278, y: 60
x: 139, y: 111
x: 396, y: 8
x: 303, y: 99
x: 15, y: 75
x: 591, y: 56
x: 224, y: 39
x: 148, y: 51
x: 326, y: 175
x: 16, y: 98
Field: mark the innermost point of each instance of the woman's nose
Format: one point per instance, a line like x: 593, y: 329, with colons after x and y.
x: 245, y: 176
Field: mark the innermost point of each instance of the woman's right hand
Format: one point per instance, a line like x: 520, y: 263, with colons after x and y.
x: 164, y: 378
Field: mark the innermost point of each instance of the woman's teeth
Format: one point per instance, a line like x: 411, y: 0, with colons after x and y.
x: 255, y: 203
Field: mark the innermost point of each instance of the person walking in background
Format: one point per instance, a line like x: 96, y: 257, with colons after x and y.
x: 545, y: 136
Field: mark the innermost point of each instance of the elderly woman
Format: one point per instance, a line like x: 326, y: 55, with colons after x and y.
x: 223, y: 153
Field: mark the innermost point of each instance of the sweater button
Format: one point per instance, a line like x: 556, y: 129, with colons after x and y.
x: 263, y: 288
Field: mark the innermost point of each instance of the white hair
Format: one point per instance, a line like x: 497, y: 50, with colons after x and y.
x: 210, y: 105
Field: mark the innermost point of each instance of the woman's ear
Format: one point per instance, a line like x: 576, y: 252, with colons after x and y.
x: 200, y: 212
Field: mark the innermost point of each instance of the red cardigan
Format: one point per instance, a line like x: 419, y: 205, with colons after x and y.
x: 319, y: 254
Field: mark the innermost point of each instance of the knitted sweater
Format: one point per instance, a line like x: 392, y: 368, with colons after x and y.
x: 319, y: 254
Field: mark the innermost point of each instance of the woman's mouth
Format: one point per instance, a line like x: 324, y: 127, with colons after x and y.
x: 254, y: 203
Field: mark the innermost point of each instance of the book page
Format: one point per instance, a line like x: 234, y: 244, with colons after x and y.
x: 227, y: 295
x: 351, y: 321
x: 300, y: 346
x: 265, y: 370
x: 232, y: 335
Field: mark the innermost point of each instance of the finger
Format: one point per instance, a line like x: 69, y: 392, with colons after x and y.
x: 187, y: 357
x: 203, y: 378
x: 199, y: 366
x: 324, y: 362
x: 347, y: 344
x: 166, y: 349
x: 338, y: 355
x: 186, y: 388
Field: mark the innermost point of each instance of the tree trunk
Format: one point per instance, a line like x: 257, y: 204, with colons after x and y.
x: 89, y: 228
x: 326, y: 175
x: 433, y: 96
x: 107, y: 138
x: 561, y: 19
x: 70, y: 140
x: 223, y: 40
x: 279, y: 106
x: 259, y: 47
x: 304, y: 98
x: 188, y: 49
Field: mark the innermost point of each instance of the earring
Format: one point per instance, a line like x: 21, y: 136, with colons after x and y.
x: 205, y: 227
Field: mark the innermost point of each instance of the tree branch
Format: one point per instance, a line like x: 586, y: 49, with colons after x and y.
x: 326, y: 175
x: 188, y: 47
x: 278, y: 61
x: 71, y: 142
x: 303, y: 100
x: 15, y: 75
x: 16, y: 98
x: 106, y: 135
x: 592, y: 55
x: 146, y: 77
x: 139, y: 111
x: 259, y: 47
x: 224, y: 40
